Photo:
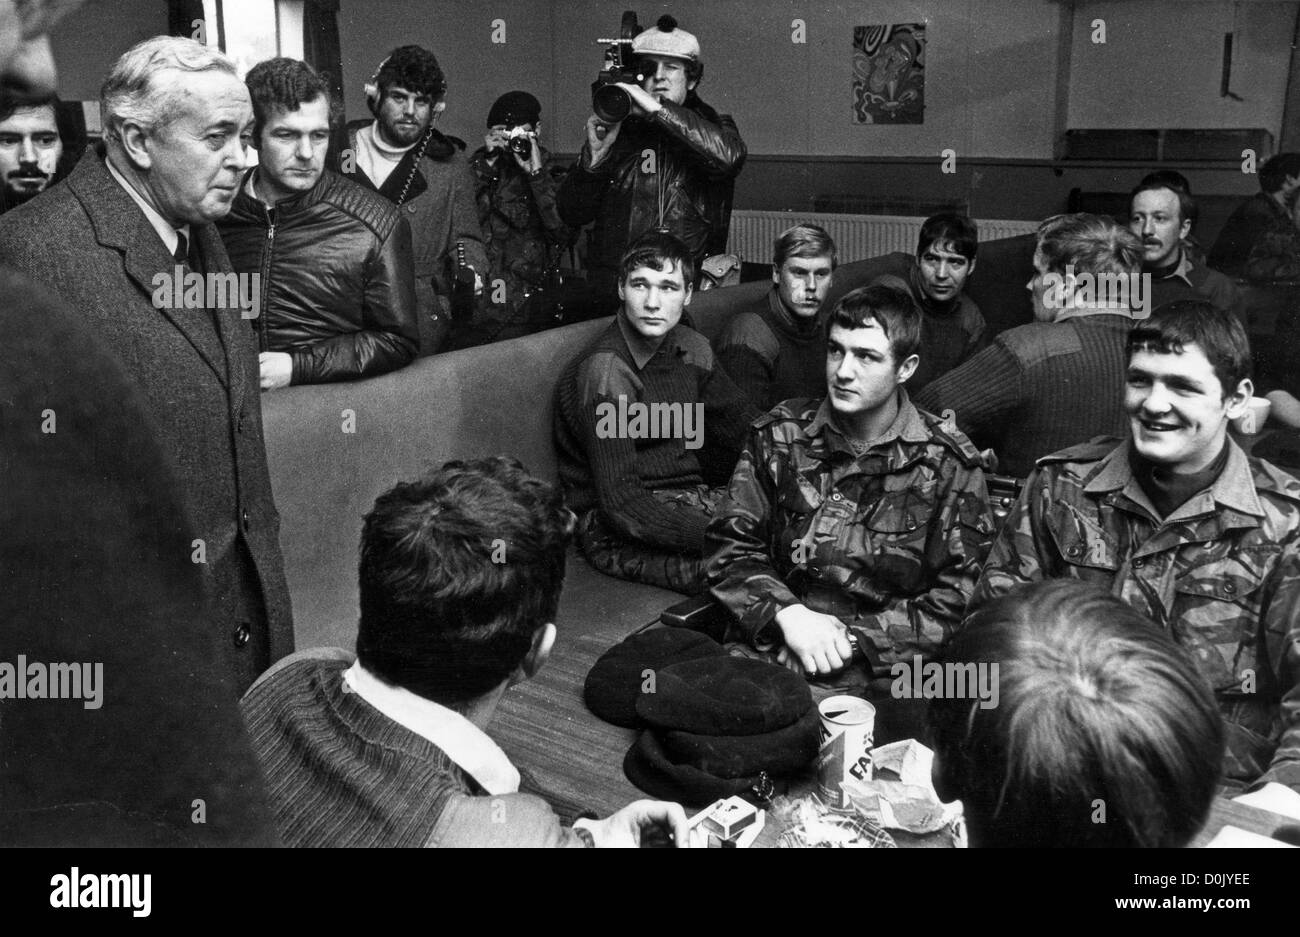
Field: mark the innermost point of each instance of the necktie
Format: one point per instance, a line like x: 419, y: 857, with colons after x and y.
x: 182, y: 256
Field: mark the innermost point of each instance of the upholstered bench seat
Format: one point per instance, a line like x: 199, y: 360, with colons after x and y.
x: 333, y: 448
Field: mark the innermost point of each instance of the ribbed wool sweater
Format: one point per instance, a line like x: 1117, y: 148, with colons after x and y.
x: 1040, y: 388
x: 617, y: 472
x: 339, y: 772
x: 773, y: 355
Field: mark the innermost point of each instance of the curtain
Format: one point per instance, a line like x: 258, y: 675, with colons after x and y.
x: 323, y: 52
x: 181, y: 15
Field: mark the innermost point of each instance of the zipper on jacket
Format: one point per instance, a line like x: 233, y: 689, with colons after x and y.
x: 263, y: 341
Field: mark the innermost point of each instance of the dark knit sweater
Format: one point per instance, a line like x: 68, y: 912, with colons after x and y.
x: 773, y: 355
x: 616, y: 473
x: 951, y: 332
x: 1039, y: 388
x: 1195, y: 282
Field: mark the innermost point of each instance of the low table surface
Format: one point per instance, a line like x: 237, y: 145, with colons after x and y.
x: 576, y: 759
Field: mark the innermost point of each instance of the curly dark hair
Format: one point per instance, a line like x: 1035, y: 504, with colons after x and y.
x: 415, y: 69
x: 283, y: 84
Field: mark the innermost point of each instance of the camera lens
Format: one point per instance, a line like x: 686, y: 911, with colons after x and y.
x: 611, y: 103
x: 522, y: 147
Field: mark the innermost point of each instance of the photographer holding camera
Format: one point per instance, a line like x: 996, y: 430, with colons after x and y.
x: 656, y: 156
x: 515, y: 193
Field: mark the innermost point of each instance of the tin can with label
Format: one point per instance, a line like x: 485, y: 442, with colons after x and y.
x: 848, y: 726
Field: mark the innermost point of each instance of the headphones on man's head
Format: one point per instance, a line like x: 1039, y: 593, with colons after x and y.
x: 372, y: 88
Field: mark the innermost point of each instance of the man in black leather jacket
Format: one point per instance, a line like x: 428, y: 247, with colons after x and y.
x: 672, y: 164
x: 337, y: 275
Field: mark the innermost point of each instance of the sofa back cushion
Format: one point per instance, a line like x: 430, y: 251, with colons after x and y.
x: 334, y: 448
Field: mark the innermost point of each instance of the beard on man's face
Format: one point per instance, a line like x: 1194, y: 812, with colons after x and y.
x: 24, y: 184
x: 402, y: 130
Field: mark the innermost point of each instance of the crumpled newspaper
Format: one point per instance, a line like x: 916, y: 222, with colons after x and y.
x: 901, y: 796
x: 807, y: 822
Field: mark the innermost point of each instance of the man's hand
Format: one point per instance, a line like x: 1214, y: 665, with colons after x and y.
x: 643, y: 102
x: 533, y: 164
x: 600, y: 137
x: 494, y: 140
x: 625, y: 828
x: 818, y: 643
x: 276, y: 368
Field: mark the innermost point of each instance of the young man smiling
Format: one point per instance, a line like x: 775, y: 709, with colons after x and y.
x: 1184, y: 526
x: 641, y: 489
x: 775, y: 349
x: 336, y: 257
x: 854, y: 515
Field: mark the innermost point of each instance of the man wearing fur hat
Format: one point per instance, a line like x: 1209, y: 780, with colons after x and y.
x: 671, y: 164
x: 423, y: 172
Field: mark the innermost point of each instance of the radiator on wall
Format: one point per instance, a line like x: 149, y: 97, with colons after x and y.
x: 857, y: 237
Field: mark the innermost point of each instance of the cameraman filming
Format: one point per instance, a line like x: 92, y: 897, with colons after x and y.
x: 685, y: 188
x: 515, y: 192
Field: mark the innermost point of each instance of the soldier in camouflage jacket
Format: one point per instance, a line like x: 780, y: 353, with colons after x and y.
x: 515, y: 196
x: 1221, y: 574
x: 1207, y: 547
x: 888, y: 539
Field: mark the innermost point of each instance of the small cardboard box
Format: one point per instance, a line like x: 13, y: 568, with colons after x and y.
x: 727, y: 818
x: 726, y: 825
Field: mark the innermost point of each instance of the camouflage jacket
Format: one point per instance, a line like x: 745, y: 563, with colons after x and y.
x: 889, y: 539
x: 1221, y: 574
x: 523, y: 230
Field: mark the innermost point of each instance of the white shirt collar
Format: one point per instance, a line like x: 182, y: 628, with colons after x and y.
x: 160, y: 224
x: 462, y: 741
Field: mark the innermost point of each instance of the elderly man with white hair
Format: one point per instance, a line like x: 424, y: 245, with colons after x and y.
x: 135, y: 214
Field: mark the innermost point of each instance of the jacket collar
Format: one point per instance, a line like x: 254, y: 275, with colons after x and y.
x: 1234, y: 489
x: 826, y: 437
x: 791, y: 324
x: 1100, y: 309
x: 120, y: 224
x: 468, y: 746
x: 1184, y: 270
x: 639, y: 347
x: 440, y: 148
x: 249, y: 206
x: 168, y: 232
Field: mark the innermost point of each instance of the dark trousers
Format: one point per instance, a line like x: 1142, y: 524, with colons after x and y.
x: 624, y: 558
